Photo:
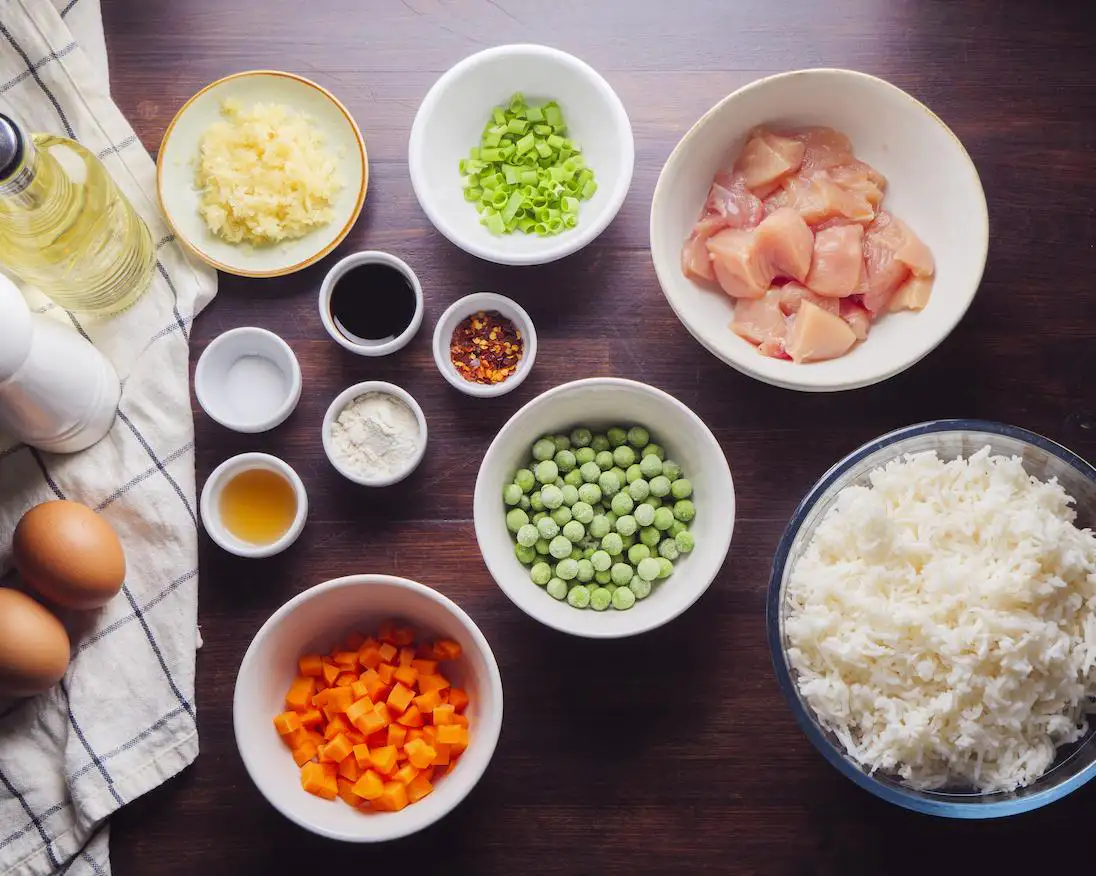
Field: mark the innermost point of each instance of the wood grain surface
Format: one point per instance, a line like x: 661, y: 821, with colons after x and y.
x: 674, y: 752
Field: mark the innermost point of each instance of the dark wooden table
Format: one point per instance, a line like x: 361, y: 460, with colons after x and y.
x: 673, y: 752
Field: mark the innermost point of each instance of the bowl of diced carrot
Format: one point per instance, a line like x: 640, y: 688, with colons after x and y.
x: 367, y: 708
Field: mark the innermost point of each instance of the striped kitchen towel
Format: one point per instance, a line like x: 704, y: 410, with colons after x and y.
x: 123, y: 719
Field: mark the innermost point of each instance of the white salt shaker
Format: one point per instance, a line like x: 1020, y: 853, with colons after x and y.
x: 57, y: 392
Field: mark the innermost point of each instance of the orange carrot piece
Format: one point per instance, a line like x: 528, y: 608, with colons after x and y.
x: 458, y: 699
x: 334, y: 727
x: 388, y: 652
x: 444, y: 714
x: 311, y: 718
x: 428, y: 701
x: 414, y: 733
x: 377, y: 739
x: 412, y: 717
x: 359, y: 690
x: 358, y: 710
x: 356, y: 736
x: 287, y: 722
x: 418, y: 788
x: 304, y: 752
x: 453, y: 735
x: 397, y: 735
x: 424, y: 667
x: 406, y: 675
x: 420, y: 753
x: 339, y: 701
x: 349, y: 768
x: 311, y: 665
x: 345, y: 679
x: 370, y: 656
x: 406, y: 655
x: 436, y: 682
x: 406, y: 773
x: 346, y: 792
x: 383, y: 758
x: 319, y: 779
x: 345, y: 659
x: 337, y: 749
x: 441, y: 754
x: 299, y: 697
x: 370, y: 786
x: 374, y: 685
x: 447, y: 649
x: 461, y: 719
x: 400, y: 698
x: 394, y: 796
x: 361, y: 755
x: 330, y: 671
x: 387, y: 672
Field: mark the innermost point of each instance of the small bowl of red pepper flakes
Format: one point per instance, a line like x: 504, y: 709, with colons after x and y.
x: 485, y: 344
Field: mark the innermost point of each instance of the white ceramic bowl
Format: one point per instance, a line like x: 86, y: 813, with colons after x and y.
x: 450, y: 122
x: 316, y: 620
x: 176, y: 164
x: 248, y: 379
x: 932, y: 185
x: 346, y: 397
x: 372, y: 348
x: 458, y: 310
x: 210, y: 505
x: 600, y: 402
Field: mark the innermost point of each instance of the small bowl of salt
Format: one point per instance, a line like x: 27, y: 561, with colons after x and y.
x: 248, y: 380
x: 374, y: 433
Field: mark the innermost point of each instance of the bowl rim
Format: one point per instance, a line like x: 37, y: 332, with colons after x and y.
x: 805, y: 383
x: 606, y: 631
x: 211, y: 518
x: 956, y: 809
x: 561, y: 245
x: 342, y: 400
x: 488, y: 728
x: 202, y: 376
x: 510, y: 309
x: 370, y: 257
x: 192, y: 246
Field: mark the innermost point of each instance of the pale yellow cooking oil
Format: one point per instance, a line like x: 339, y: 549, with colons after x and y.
x: 66, y: 228
x: 258, y: 506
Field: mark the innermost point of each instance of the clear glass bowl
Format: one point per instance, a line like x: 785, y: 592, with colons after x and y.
x: 1044, y: 459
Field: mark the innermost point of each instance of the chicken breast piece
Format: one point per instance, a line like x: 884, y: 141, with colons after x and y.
x: 837, y: 260
x: 738, y: 270
x: 914, y: 294
x: 696, y: 261
x: 857, y: 317
x: 884, y: 273
x: 815, y: 335
x: 824, y: 147
x: 760, y: 320
x: 817, y: 198
x: 792, y: 296
x: 767, y: 158
x: 784, y: 242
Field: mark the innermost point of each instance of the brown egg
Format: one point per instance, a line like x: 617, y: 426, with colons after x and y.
x: 69, y: 554
x: 34, y: 647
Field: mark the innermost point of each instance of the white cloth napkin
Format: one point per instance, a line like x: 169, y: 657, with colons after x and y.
x: 123, y: 719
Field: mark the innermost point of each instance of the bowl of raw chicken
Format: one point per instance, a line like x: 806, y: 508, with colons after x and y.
x: 819, y: 230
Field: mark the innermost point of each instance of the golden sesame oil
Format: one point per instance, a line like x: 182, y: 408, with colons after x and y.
x: 66, y: 228
x: 258, y: 506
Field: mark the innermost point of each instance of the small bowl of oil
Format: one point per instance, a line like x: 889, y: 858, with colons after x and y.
x: 254, y: 505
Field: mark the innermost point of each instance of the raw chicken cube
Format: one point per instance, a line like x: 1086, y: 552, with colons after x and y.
x: 818, y: 198
x: 792, y: 295
x: 784, y: 243
x: 912, y: 295
x: 768, y: 158
x: 738, y: 270
x: 696, y: 261
x: 857, y: 317
x: 837, y: 260
x: 816, y: 335
x: 824, y: 147
x: 760, y: 319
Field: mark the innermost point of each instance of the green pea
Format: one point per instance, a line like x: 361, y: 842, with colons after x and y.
x: 665, y: 568
x: 609, y: 483
x: 676, y: 528
x: 684, y: 510
x: 644, y: 514
x: 546, y: 472
x: 660, y: 486
x: 541, y: 547
x: 621, y: 475
x: 613, y: 543
x: 638, y: 437
x: 623, y: 598
x: 565, y: 460
x: 685, y: 542
x: 599, y: 443
x: 604, y: 460
x: 639, y: 490
x: 603, y: 578
x: 527, y: 535
x: 516, y: 519
x: 559, y: 547
x: 561, y: 515
x: 524, y: 504
x: 557, y: 588
x: 581, y: 437
x: 621, y: 574
x: 647, y: 569
x: 525, y: 554
x: 624, y: 456
x: 574, y: 531
x: 541, y: 574
x: 547, y: 527
x: 536, y: 501
x: 590, y: 472
x: 511, y: 494
x: 600, y: 599
x: 611, y: 516
x: 637, y: 553
x: 681, y: 489
x: 544, y: 449
x: 562, y: 442
x: 672, y: 470
x: 551, y: 496
x: 650, y: 466
x: 650, y: 536
x: 576, y: 554
x: 585, y: 571
x: 587, y: 552
x: 578, y: 596
x: 570, y: 494
x: 525, y: 479
x: 616, y: 436
x: 668, y: 548
x: 664, y: 518
x: 633, y: 473
x: 626, y: 526
x: 573, y: 478
x: 567, y: 569
x: 584, y: 455
x: 600, y: 526
x: 622, y: 503
x: 639, y: 587
x: 601, y: 561
x: 610, y: 587
x: 654, y: 450
x: 559, y: 482
x: 629, y: 539
x: 583, y: 512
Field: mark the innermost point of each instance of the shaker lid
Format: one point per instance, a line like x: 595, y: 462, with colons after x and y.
x: 11, y: 147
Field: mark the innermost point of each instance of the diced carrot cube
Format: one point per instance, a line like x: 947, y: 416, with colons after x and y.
x: 403, y: 636
x: 330, y: 671
x: 428, y: 683
x: 370, y: 722
x: 311, y: 665
x: 453, y: 735
x: 374, y: 685
x: 420, y: 753
x: 339, y: 701
x: 458, y: 699
x: 311, y: 718
x: 441, y: 754
x: 287, y: 722
x: 394, y: 796
x: 461, y: 719
x: 370, y: 656
x: 406, y: 773
x: 345, y: 679
x: 346, y: 791
x: 418, y: 788
x: 424, y: 667
x: 444, y: 714
x: 299, y: 697
x: 414, y: 733
x: 447, y: 649
x: 406, y: 655
x: 358, y: 710
x: 387, y: 672
x: 406, y: 675
x: 304, y: 752
x: 383, y: 758
x: 370, y: 786
x: 345, y: 659
x: 349, y: 769
x: 337, y: 749
x: 335, y: 726
x: 430, y: 733
x: 412, y: 717
x: 388, y: 652
x: 377, y: 739
x: 297, y: 738
x: 316, y: 738
x: 318, y: 779
x: 356, y: 736
x: 400, y: 698
x: 428, y: 701
x: 397, y: 735
x: 361, y: 755
x: 359, y: 690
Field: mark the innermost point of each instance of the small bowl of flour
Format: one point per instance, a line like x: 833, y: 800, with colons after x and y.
x: 374, y: 433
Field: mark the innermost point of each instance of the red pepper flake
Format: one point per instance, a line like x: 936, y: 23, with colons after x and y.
x: 486, y: 347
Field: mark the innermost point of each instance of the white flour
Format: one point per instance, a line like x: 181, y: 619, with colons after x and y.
x: 376, y: 435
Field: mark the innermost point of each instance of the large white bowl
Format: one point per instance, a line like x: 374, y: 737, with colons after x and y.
x: 600, y: 402
x: 933, y: 187
x: 450, y: 122
x: 313, y: 622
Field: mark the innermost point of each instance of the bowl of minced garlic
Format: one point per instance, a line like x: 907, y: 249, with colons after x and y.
x: 262, y: 173
x: 485, y: 344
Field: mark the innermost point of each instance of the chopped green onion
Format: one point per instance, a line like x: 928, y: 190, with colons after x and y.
x: 552, y: 114
x: 500, y: 115
x: 543, y: 149
x: 517, y: 126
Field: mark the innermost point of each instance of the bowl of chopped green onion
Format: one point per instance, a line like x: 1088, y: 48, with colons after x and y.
x: 521, y: 154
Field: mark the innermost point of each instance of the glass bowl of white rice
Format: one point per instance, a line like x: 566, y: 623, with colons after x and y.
x: 932, y: 618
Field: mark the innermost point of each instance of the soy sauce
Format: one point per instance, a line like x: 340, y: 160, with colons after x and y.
x: 372, y: 302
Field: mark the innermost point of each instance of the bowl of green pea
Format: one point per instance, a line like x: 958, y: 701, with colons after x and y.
x: 604, y: 508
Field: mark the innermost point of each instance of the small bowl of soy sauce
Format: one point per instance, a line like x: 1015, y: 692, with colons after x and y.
x: 371, y: 303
